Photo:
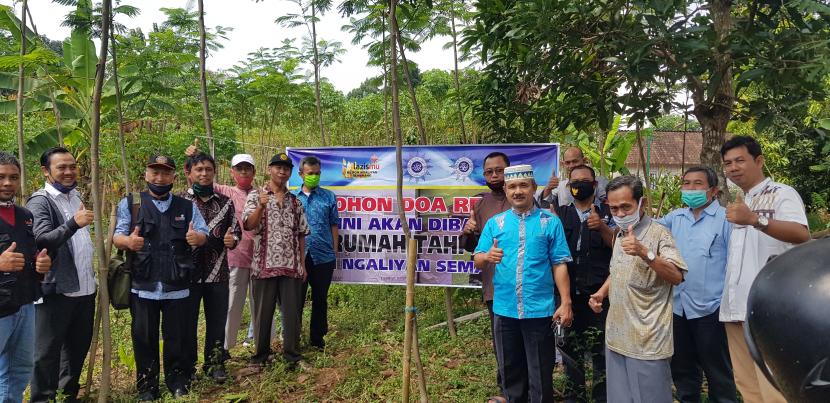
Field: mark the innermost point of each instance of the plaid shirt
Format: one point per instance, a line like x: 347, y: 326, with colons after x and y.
x: 211, y: 259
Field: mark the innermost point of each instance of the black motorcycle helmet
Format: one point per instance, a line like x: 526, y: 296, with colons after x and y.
x: 788, y: 322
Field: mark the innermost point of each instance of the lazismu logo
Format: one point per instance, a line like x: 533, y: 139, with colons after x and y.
x: 355, y: 169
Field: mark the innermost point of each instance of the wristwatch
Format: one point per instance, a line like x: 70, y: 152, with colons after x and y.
x: 762, y: 223
x: 650, y: 257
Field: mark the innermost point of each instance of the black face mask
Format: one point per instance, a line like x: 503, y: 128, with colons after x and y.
x: 159, y: 190
x: 496, y: 186
x: 582, y: 190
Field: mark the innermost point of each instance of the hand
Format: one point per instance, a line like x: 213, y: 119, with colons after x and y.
x: 193, y: 148
x: 564, y: 314
x: 553, y: 183
x: 305, y: 273
x: 136, y: 241
x: 631, y: 246
x: 263, y: 197
x: 229, y: 240
x: 84, y: 217
x: 739, y: 213
x: 495, y: 253
x: 10, y: 260
x: 594, y: 220
x: 192, y: 237
x: 43, y: 262
x: 471, y: 224
x: 595, y: 302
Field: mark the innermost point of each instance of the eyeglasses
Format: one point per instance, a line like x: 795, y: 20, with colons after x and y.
x: 490, y: 172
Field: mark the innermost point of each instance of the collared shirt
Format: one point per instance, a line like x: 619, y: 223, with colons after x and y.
x: 584, y: 214
x: 81, y: 243
x: 563, y: 193
x: 277, y: 237
x: 750, y: 249
x: 242, y: 255
x: 490, y: 204
x: 639, y: 323
x: 703, y: 243
x: 211, y: 258
x: 533, y: 243
x: 320, y: 207
x: 122, y: 227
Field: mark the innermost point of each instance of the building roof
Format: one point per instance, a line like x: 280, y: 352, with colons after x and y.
x: 665, y: 149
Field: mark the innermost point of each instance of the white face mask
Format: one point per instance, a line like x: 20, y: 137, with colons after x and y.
x: 629, y: 220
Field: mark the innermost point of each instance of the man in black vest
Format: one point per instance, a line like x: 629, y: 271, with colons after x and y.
x: 64, y: 318
x: 590, y: 238
x: 20, y: 268
x: 160, y: 241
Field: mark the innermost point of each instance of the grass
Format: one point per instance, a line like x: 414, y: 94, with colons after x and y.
x: 363, y: 356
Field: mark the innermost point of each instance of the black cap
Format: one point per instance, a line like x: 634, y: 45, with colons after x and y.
x: 281, y: 159
x: 161, y: 161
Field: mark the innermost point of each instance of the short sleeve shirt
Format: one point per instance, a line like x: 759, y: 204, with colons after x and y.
x: 321, y: 212
x: 533, y: 242
x: 277, y: 238
x: 750, y: 249
x: 639, y: 323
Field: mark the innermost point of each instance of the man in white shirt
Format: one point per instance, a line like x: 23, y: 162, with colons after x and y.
x: 64, y: 316
x: 558, y: 191
x: 767, y: 220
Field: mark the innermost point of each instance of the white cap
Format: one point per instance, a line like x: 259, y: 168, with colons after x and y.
x: 240, y: 158
x: 515, y: 172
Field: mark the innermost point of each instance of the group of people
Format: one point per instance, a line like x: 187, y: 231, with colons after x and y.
x: 203, y: 249
x: 581, y: 267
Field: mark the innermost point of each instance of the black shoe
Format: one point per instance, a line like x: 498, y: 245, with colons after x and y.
x: 219, y: 375
x: 147, y: 397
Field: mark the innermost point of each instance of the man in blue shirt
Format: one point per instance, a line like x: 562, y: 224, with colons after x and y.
x: 321, y: 212
x: 529, y: 249
x: 702, y: 235
x: 159, y: 243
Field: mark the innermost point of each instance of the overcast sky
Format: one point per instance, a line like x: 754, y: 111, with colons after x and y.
x: 253, y: 27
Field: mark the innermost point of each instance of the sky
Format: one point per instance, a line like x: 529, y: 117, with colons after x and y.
x: 253, y: 27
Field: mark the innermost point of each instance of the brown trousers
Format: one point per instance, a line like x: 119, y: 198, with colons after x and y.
x: 751, y: 382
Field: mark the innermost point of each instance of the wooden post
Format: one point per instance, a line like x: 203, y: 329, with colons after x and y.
x: 412, y: 256
x: 448, y: 291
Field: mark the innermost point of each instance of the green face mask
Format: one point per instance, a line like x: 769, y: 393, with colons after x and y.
x: 694, y: 198
x: 311, y: 181
x: 202, y: 191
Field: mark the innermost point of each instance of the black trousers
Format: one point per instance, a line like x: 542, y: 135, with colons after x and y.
x: 526, y: 355
x: 585, y: 336
x: 214, y: 297
x: 173, y: 315
x: 63, y: 333
x: 493, y: 338
x: 319, y: 277
x: 700, y: 344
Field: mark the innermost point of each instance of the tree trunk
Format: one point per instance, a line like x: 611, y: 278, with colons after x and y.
x: 21, y: 71
x: 103, y: 296
x: 386, y: 90
x: 455, y: 71
x: 317, y: 75
x: 121, y: 138
x: 203, y: 79
x: 420, y: 123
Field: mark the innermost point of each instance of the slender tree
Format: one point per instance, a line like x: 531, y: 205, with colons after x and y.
x: 455, y: 68
x: 97, y: 202
x: 203, y: 78
x: 21, y: 71
x: 118, y: 107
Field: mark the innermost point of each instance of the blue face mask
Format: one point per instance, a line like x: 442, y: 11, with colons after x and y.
x: 629, y: 220
x: 694, y: 198
x: 64, y: 189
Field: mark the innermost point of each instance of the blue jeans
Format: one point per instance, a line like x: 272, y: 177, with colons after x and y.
x: 17, y: 353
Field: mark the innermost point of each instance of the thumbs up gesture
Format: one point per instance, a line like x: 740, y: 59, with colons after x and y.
x: 495, y: 253
x: 594, y: 220
x: 10, y: 260
x: 136, y: 241
x: 631, y: 245
x: 229, y: 240
x: 43, y: 262
x: 471, y: 224
x: 263, y: 197
x: 193, y: 237
x: 84, y: 217
x: 739, y: 213
x: 193, y: 148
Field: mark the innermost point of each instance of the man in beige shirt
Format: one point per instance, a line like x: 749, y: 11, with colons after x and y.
x: 645, y: 265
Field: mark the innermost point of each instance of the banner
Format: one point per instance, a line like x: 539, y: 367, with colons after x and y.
x: 441, y: 184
